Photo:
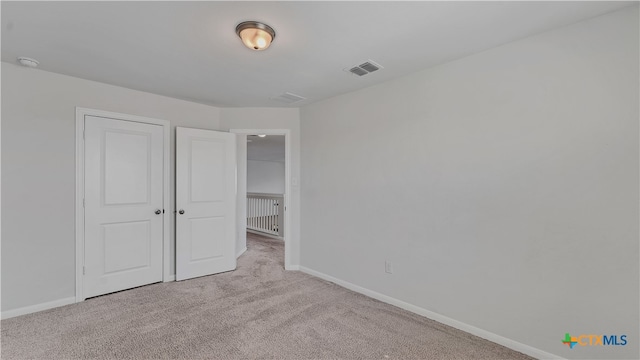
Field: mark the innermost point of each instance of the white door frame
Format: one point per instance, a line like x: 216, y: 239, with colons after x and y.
x: 166, y: 216
x: 287, y: 187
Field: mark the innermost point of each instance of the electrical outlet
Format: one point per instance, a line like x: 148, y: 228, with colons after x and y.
x: 388, y: 267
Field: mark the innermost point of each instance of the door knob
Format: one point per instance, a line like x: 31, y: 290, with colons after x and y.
x: 158, y: 212
x: 181, y: 212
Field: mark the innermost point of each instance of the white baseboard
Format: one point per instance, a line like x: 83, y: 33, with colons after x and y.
x: 265, y: 234
x: 293, y: 267
x: 171, y: 278
x: 38, y: 307
x: 241, y: 252
x: 511, y: 344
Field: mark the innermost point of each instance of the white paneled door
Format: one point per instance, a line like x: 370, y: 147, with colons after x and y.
x: 205, y: 202
x: 123, y: 205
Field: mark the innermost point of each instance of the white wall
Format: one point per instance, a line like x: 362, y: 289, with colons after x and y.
x: 274, y: 118
x: 503, y: 187
x: 38, y: 173
x: 241, y: 196
x: 265, y: 177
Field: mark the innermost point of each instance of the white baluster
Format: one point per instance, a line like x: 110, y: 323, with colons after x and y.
x: 261, y: 214
x: 271, y: 203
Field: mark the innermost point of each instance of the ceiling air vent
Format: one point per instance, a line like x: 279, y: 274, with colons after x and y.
x: 370, y: 67
x: 288, y: 98
x: 356, y: 70
x: 365, y: 68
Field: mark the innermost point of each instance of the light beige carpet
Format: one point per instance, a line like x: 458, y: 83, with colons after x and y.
x: 258, y: 311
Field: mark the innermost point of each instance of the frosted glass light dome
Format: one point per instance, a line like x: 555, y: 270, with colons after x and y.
x: 255, y: 35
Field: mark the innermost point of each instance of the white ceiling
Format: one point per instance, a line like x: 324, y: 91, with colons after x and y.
x: 189, y: 50
x: 269, y: 148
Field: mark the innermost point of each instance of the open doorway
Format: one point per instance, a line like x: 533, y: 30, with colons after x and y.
x: 263, y: 188
x: 265, y: 185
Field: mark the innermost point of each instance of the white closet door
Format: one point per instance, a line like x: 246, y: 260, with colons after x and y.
x: 206, y: 201
x: 123, y: 205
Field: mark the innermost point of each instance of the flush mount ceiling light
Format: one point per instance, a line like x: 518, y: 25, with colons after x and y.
x: 255, y: 35
x: 28, y: 62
